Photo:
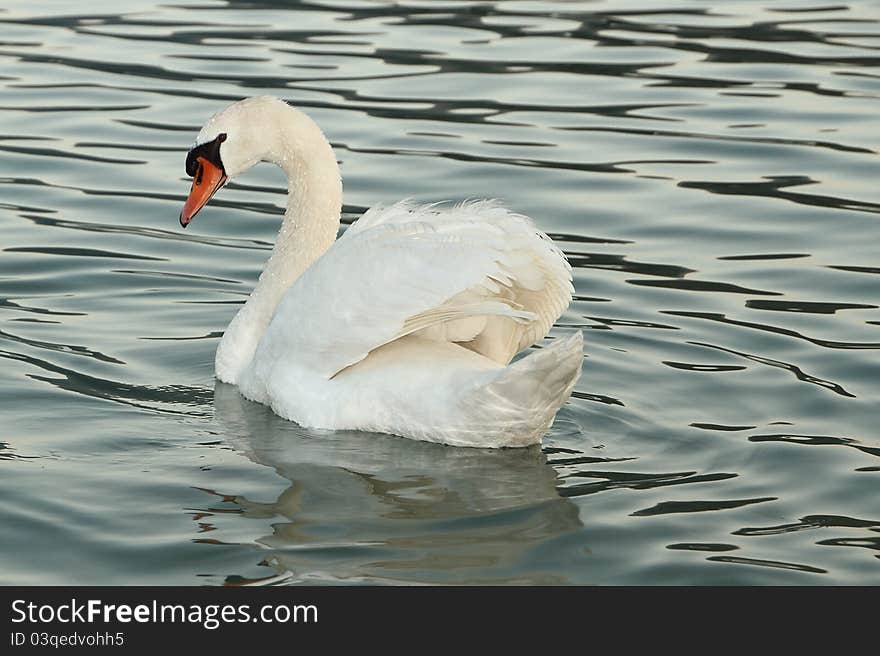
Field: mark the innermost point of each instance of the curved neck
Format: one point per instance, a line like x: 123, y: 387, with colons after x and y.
x: 290, y: 139
x: 314, y: 203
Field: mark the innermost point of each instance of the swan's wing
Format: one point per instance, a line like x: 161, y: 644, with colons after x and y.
x: 475, y: 273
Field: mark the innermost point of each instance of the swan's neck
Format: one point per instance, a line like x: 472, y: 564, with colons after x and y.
x: 294, y: 142
x: 311, y: 220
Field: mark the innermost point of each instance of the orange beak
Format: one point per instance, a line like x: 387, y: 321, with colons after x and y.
x: 208, y: 179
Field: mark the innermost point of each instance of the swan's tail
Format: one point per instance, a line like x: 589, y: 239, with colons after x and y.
x: 520, y: 403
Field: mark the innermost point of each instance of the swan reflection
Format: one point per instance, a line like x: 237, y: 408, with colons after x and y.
x: 377, y: 508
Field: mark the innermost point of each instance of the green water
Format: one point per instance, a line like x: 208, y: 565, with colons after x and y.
x: 710, y: 169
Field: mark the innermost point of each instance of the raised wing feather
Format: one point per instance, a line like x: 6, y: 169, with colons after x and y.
x: 474, y: 273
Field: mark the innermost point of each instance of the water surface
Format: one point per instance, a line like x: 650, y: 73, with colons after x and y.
x: 710, y: 170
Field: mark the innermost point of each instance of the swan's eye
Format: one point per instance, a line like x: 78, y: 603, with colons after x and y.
x: 191, y: 165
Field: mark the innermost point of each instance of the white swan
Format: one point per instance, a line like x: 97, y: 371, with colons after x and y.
x: 407, y: 324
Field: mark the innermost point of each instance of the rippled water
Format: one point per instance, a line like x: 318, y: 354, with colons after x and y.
x: 710, y: 169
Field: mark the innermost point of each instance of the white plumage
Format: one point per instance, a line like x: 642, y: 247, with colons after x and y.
x: 406, y: 324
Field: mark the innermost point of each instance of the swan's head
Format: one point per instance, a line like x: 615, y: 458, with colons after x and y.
x: 232, y: 141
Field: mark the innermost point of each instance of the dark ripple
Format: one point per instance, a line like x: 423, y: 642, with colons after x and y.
x: 635, y: 481
x: 702, y: 546
x: 734, y: 138
x: 77, y: 109
x: 855, y: 269
x: 621, y: 263
x: 816, y: 440
x: 775, y: 188
x: 609, y: 324
x: 80, y: 252
x: 806, y: 306
x: 66, y: 154
x: 721, y: 427
x: 176, y: 275
x: 34, y: 320
x: 7, y: 303
x: 214, y: 334
x: 6, y: 453
x: 712, y: 316
x: 163, y: 399
x: 797, y: 371
x: 153, y: 233
x: 667, y: 507
x: 127, y: 69
x: 127, y: 146
x: 765, y: 256
x: 739, y: 560
x: 702, y: 286
x: 61, y: 348
x: 864, y: 543
x: 809, y: 523
x: 578, y: 460
x: 713, y: 368
x: 165, y: 127
x: 599, y: 398
x: 584, y: 239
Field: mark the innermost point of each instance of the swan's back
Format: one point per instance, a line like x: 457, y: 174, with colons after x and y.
x: 516, y: 281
